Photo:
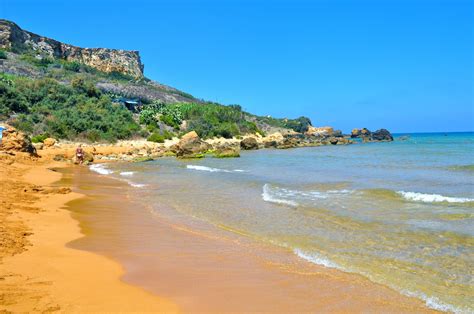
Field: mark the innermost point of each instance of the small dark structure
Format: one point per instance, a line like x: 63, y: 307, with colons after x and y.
x: 132, y: 104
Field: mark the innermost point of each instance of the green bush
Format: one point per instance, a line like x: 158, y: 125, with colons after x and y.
x: 3, y: 54
x: 72, y: 66
x: 39, y: 138
x: 157, y: 138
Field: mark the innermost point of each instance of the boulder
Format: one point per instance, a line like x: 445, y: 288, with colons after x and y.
x: 226, y: 150
x: 191, y: 146
x: 270, y: 144
x: 333, y: 140
x: 382, y: 135
x: 249, y: 143
x: 288, y: 142
x: 16, y: 141
x: 363, y: 133
x: 49, y: 142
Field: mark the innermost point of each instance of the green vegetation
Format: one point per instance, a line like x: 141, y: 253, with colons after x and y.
x: 39, y: 138
x: 3, y: 54
x: 207, y: 119
x: 299, y: 125
x: 45, y: 106
x: 160, y: 137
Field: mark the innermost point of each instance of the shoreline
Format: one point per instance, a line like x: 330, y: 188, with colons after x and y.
x: 61, y: 278
x: 144, y: 264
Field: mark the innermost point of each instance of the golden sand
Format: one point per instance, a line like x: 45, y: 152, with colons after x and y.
x: 38, y: 272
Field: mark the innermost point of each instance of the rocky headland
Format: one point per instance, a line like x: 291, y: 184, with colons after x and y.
x: 12, y: 37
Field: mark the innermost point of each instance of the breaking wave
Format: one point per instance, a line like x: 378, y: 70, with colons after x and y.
x: 293, y: 197
x: 100, y: 169
x: 269, y: 196
x: 432, y: 198
x: 127, y: 173
x: 209, y: 169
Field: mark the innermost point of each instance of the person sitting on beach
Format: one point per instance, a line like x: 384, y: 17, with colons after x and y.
x: 80, y: 154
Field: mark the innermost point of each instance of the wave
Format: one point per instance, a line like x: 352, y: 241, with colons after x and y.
x: 100, y: 169
x: 209, y: 169
x: 127, y: 173
x: 432, y: 198
x: 316, y: 259
x: 268, y: 196
x: 435, y: 304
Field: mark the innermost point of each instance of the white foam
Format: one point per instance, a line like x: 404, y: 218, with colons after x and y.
x: 136, y: 185
x: 268, y: 197
x: 435, y: 303
x: 101, y: 169
x: 209, y: 169
x: 316, y: 259
x: 432, y: 198
x: 127, y: 173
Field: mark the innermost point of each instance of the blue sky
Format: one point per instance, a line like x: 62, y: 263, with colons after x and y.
x: 399, y: 64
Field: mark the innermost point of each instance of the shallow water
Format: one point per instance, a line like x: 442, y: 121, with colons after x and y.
x: 398, y: 213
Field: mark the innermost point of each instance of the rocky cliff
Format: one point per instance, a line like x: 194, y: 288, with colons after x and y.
x: 12, y: 37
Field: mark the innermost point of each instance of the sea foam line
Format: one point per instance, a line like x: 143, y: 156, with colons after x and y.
x: 432, y: 198
x: 100, y: 169
x: 127, y: 173
x: 209, y: 169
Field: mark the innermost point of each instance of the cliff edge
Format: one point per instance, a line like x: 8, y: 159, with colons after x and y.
x: 12, y: 37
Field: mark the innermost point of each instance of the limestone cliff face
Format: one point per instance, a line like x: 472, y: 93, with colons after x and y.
x: 103, y: 59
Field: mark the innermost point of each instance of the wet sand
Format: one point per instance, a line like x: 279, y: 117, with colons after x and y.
x: 38, y: 273
x: 205, y: 269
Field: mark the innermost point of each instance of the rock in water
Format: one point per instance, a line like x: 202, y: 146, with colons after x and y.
x: 382, y: 135
x: 191, y: 146
x: 249, y: 143
x: 16, y: 141
x: 227, y: 150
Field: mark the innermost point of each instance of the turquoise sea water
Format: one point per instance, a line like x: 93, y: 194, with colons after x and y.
x: 400, y: 213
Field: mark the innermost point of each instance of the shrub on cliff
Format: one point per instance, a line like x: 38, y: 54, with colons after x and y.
x: 3, y: 54
x: 70, y: 112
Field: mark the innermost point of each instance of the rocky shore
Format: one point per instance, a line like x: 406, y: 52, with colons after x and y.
x: 189, y: 145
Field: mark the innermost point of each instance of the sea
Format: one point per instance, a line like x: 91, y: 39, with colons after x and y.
x: 399, y: 213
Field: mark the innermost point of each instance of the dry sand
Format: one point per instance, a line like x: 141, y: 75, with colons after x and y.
x: 38, y: 273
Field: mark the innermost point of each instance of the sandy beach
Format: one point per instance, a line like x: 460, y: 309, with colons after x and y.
x: 38, y: 272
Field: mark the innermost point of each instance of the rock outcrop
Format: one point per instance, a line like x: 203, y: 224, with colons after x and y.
x: 191, y: 146
x: 382, y: 135
x: 366, y: 135
x: 15, y: 141
x: 227, y: 150
x: 249, y: 143
x: 106, y: 60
